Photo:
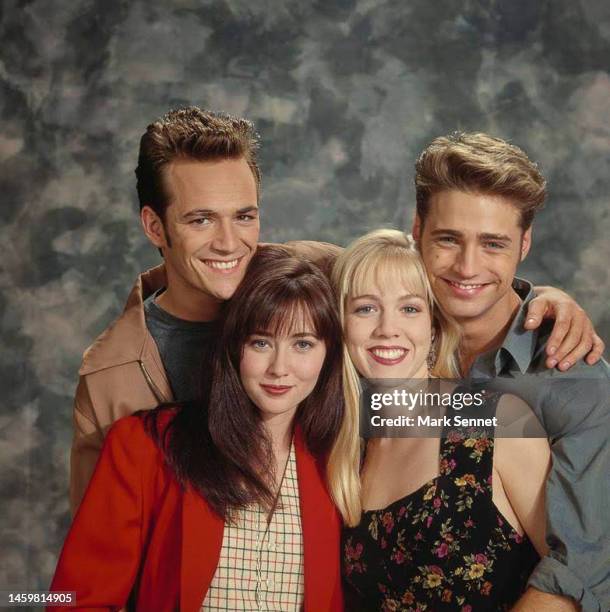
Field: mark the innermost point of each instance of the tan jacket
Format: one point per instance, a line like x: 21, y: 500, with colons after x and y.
x: 122, y: 371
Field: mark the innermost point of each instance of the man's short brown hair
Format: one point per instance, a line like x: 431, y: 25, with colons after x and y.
x: 190, y: 134
x: 479, y: 163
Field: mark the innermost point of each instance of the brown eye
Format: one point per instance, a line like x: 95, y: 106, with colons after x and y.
x: 200, y: 221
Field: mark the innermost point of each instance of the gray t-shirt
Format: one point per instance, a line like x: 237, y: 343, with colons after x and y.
x: 182, y: 345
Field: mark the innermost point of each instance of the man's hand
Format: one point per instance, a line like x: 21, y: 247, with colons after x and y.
x: 573, y: 336
x: 534, y: 600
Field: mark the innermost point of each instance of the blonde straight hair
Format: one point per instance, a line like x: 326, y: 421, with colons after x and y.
x: 384, y: 257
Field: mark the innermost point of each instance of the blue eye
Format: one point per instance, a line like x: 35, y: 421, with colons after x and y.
x: 304, y: 345
x: 411, y: 309
x: 366, y: 309
x: 259, y: 343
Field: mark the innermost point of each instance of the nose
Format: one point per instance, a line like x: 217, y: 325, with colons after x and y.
x: 225, y: 239
x: 466, y: 261
x: 278, y: 366
x: 386, y: 327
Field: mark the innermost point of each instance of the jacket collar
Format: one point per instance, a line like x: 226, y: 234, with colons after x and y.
x: 203, y: 530
x: 127, y: 338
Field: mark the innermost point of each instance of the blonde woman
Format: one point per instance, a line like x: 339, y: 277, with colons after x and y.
x: 442, y: 523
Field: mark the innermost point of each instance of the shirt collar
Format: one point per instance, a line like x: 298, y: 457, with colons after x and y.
x: 519, y: 343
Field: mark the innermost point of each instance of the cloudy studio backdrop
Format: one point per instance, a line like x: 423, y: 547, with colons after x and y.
x: 344, y: 95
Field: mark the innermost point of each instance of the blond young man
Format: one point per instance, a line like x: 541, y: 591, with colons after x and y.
x: 476, y: 199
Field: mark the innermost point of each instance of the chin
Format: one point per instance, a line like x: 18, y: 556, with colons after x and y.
x: 222, y: 293
x: 461, y: 310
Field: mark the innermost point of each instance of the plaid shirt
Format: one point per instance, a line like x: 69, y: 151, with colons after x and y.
x: 260, y: 568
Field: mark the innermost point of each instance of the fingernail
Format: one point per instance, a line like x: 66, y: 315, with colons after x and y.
x: 531, y: 321
x: 565, y: 365
x: 553, y: 363
x: 552, y: 350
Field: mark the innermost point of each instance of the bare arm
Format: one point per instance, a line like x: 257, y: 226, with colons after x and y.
x: 523, y: 466
x: 534, y: 600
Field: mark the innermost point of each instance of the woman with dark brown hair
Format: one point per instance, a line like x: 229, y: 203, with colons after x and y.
x: 222, y: 504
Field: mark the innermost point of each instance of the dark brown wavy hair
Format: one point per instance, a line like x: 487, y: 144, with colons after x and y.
x: 218, y: 445
x: 194, y: 134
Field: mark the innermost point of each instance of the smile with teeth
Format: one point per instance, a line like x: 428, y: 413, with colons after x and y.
x: 393, y: 353
x: 388, y: 355
x: 465, y: 286
x: 465, y: 290
x: 221, y: 265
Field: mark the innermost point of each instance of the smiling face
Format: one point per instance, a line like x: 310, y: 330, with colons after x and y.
x: 210, y: 230
x: 388, y: 331
x: 471, y: 245
x: 279, y: 369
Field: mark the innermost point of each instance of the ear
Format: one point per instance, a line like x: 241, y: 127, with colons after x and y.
x: 417, y: 226
x: 526, y: 243
x: 153, y: 227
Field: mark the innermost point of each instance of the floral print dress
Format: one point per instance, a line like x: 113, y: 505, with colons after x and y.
x: 443, y: 547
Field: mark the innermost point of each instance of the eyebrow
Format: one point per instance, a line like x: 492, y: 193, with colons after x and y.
x: 407, y: 296
x: 265, y: 334
x: 482, y: 236
x: 214, y: 213
x: 502, y: 237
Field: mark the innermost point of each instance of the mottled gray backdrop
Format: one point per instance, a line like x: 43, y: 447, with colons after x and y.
x: 344, y: 94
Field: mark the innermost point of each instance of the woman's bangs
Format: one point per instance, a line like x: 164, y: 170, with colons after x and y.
x: 283, y: 319
x: 385, y: 270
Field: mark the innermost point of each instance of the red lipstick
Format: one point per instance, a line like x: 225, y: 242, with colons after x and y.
x: 276, y: 389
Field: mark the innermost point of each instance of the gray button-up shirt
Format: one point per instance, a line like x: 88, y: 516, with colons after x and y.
x: 574, y: 408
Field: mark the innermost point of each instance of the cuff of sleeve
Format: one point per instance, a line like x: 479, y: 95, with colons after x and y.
x: 552, y: 576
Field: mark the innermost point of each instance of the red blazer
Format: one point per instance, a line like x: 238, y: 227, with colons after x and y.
x: 137, y: 532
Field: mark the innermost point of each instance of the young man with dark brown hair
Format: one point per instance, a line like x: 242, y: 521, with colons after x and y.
x: 476, y: 200
x: 198, y: 184
x: 205, y: 166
